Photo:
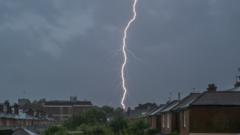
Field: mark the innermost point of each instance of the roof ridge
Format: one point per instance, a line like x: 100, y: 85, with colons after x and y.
x: 186, y: 99
x: 228, y: 91
x: 201, y: 95
x: 218, y: 98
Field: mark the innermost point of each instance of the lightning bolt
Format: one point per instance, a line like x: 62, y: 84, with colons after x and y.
x: 124, y: 52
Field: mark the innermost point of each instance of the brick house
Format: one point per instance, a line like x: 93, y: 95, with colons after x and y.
x: 22, y: 120
x: 169, y: 120
x: 181, y: 111
x: 62, y: 110
x: 141, y: 111
x: 212, y: 112
x: 154, y: 118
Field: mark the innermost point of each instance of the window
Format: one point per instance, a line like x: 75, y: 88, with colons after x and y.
x: 163, y: 121
x: 184, y: 119
x: 168, y: 120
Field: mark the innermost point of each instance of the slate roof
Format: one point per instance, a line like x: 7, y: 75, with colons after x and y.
x: 23, y: 131
x: 156, y: 111
x: 140, y: 113
x: 219, y: 98
x: 137, y: 114
x: 66, y: 103
x: 170, y: 106
x: 22, y: 116
x: 30, y: 132
x: 186, y: 102
x: 235, y: 89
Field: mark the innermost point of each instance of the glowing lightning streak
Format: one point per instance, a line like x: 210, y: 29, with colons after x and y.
x: 124, y: 45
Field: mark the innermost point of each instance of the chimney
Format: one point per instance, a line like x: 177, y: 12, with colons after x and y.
x: 73, y: 99
x: 16, y: 109
x: 212, y: 88
x: 6, y: 107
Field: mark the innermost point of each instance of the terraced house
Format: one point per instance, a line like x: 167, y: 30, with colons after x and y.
x: 12, y: 117
x: 210, y: 112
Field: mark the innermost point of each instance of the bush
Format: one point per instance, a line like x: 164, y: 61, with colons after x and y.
x: 97, y: 129
x: 174, y: 133
x: 152, y: 131
x: 55, y: 130
x: 92, y: 116
x: 118, y: 125
x: 94, y: 122
x: 138, y: 127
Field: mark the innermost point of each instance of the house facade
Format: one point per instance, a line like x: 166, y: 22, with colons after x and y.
x: 169, y: 119
x: 12, y: 117
x: 182, y: 112
x: 213, y: 112
x: 154, y: 118
x: 63, y: 110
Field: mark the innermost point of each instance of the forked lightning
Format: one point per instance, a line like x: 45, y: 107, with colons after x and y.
x: 124, y: 52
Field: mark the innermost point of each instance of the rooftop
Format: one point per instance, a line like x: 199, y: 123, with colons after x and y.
x: 184, y: 103
x: 157, y: 110
x: 170, y: 106
x: 67, y: 103
x: 219, y: 98
x: 235, y: 89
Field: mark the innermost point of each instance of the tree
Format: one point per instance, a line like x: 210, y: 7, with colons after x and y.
x: 118, y: 125
x: 138, y: 127
x: 92, y: 116
x: 97, y: 129
x: 55, y: 130
x: 108, y: 110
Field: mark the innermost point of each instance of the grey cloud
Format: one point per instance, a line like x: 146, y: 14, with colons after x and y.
x: 59, y: 48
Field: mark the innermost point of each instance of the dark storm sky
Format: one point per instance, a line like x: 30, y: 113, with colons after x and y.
x: 59, y: 48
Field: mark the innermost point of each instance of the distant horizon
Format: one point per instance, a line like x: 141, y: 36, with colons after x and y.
x: 174, y: 97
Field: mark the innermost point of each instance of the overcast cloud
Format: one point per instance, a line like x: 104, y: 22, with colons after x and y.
x: 59, y: 48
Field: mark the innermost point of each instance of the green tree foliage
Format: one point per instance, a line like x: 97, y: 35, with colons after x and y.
x: 90, y: 117
x: 94, y: 122
x: 108, y: 110
x: 174, y: 133
x: 118, y: 125
x: 138, y: 127
x: 55, y: 130
x: 96, y: 129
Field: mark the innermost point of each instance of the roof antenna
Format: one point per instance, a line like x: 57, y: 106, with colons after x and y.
x: 238, y: 75
x: 193, y: 90
x: 179, y: 96
x: 170, y: 97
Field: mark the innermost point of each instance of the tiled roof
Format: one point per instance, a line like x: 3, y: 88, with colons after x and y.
x: 68, y: 103
x: 184, y: 103
x: 220, y: 98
